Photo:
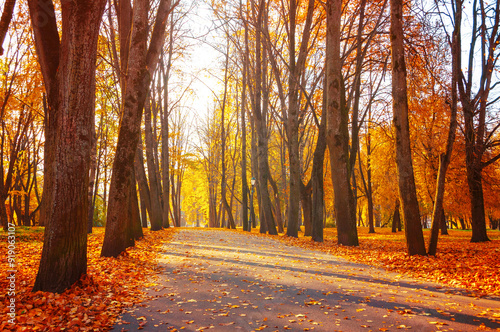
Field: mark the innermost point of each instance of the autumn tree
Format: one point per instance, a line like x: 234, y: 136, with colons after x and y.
x: 407, y: 190
x: 68, y: 66
x: 141, y: 64
x: 480, y: 125
x: 337, y: 130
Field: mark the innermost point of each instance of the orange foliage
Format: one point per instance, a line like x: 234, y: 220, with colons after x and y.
x: 95, y: 301
x: 474, y: 267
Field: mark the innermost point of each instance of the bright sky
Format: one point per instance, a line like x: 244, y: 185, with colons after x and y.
x: 199, y: 66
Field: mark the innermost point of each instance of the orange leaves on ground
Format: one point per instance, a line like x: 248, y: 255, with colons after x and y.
x: 458, y: 263
x: 93, y: 303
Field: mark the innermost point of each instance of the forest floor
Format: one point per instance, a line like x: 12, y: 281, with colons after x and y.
x: 198, y: 279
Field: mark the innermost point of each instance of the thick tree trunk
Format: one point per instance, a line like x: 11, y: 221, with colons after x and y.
x: 407, y: 190
x: 478, y: 220
x: 337, y: 130
x: 68, y: 69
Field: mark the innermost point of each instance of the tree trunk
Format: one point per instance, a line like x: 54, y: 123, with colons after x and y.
x: 277, y: 203
x: 165, y: 153
x: 142, y: 64
x: 318, y: 203
x: 92, y: 179
x: 369, y: 189
x: 296, y: 70
x: 407, y: 191
x: 225, y: 204
x: 396, y: 219
x: 265, y: 206
x: 155, y: 216
x: 255, y: 172
x: 142, y: 182
x: 244, y: 182
x: 478, y: 220
x: 337, y: 130
x: 68, y: 69
x: 136, y: 228
x: 438, y: 218
x: 306, y: 202
x: 444, y: 227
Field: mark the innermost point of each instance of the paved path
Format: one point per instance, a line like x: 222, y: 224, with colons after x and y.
x: 214, y: 280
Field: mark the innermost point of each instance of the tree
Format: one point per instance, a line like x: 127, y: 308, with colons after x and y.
x: 297, y: 68
x: 407, y: 190
x: 141, y: 64
x: 480, y: 135
x: 244, y: 182
x: 337, y: 130
x: 266, y: 215
x: 68, y: 68
x: 445, y: 158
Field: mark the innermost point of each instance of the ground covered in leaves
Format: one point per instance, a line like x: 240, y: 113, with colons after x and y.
x: 109, y: 286
x: 475, y: 267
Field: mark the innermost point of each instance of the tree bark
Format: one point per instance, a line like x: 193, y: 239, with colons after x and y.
x: 68, y: 69
x: 337, y: 130
x: 407, y: 191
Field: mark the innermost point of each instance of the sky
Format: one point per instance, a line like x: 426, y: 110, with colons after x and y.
x: 199, y: 66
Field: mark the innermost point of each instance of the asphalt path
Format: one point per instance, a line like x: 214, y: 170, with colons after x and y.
x: 215, y: 280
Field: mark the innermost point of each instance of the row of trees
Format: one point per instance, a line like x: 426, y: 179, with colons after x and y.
x: 276, y: 55
x: 100, y: 98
